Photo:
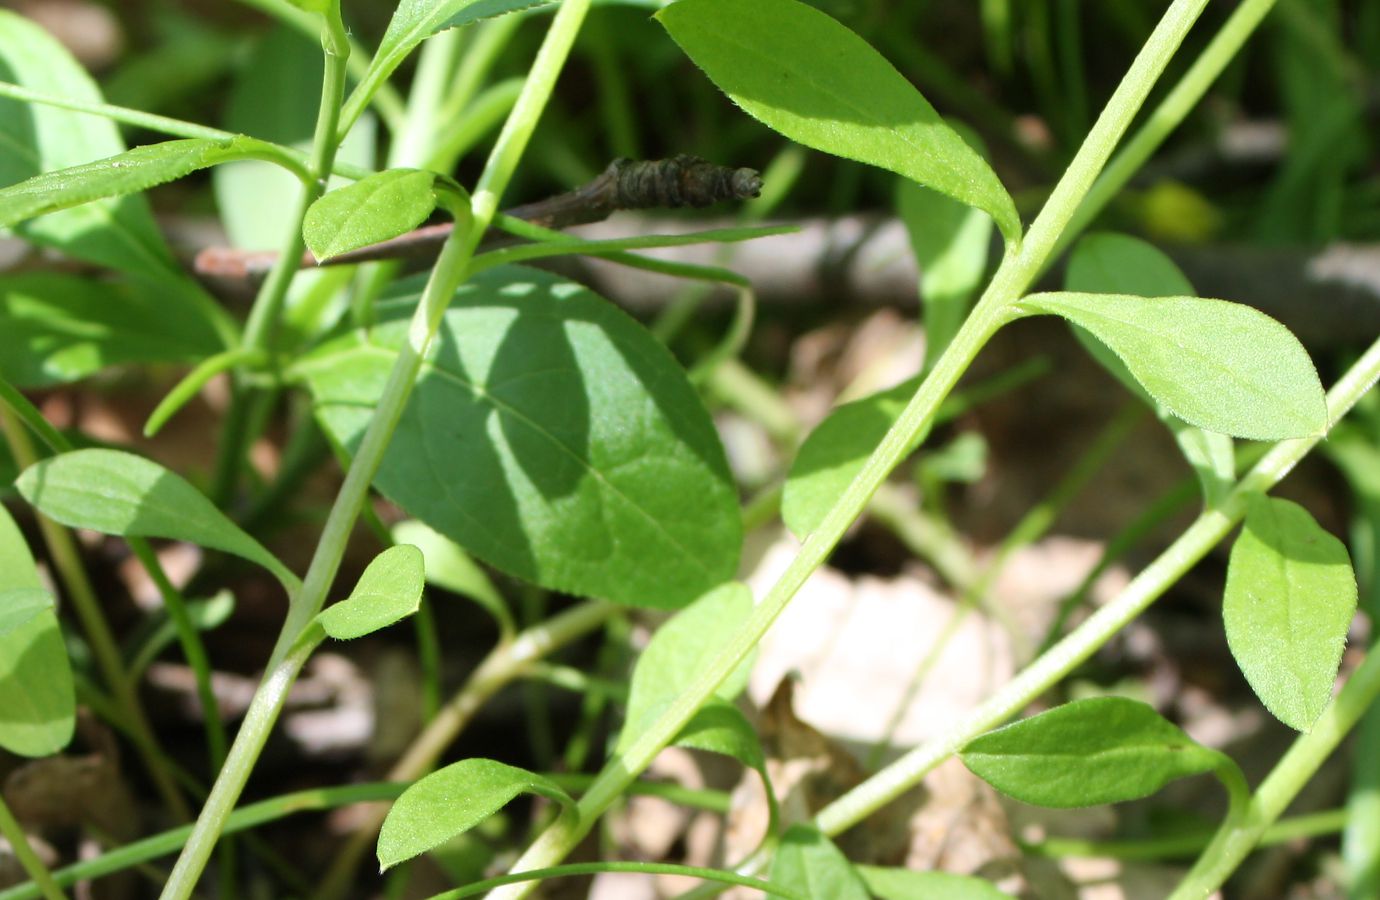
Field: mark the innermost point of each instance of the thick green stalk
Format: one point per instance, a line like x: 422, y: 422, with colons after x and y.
x: 1207, y: 531
x: 450, y: 269
x: 992, y: 311
x: 1238, y: 837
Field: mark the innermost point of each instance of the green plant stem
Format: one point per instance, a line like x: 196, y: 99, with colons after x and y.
x: 265, y: 314
x: 1014, y: 275
x: 1185, y: 845
x: 1210, y: 527
x: 449, y: 271
x: 41, y: 878
x: 66, y: 558
x: 258, y: 721
x: 507, y: 661
x: 1238, y: 837
x: 192, y: 648
x: 1170, y: 113
x: 529, y: 878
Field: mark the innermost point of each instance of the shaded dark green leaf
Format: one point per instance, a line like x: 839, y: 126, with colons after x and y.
x: 59, y: 328
x: 1289, y: 600
x: 37, y: 697
x: 453, y: 800
x: 550, y: 436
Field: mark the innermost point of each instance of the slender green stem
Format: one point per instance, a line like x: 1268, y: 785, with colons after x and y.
x: 992, y: 311
x: 210, y: 824
x: 62, y: 548
x: 1207, y: 531
x: 449, y: 271
x: 41, y: 878
x: 1170, y: 113
x: 1239, y: 835
x: 1185, y: 845
x: 192, y: 648
x: 530, y: 877
x: 192, y: 383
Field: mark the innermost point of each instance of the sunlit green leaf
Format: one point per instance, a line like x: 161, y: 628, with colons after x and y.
x: 114, y: 492
x: 390, y: 589
x: 1099, y: 750
x: 1289, y: 601
x: 449, y: 567
x: 720, y: 727
x: 1218, y: 365
x: 803, y: 74
x: 1117, y: 264
x: 371, y: 210
x: 550, y: 436
x: 453, y: 800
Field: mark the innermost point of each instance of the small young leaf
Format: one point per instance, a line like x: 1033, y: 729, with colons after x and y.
x: 677, y: 653
x: 453, y: 800
x: 834, y: 453
x: 909, y: 884
x: 371, y: 210
x: 803, y: 74
x: 1289, y: 600
x: 389, y: 589
x: 116, y: 232
x: 38, y: 702
x: 125, y: 173
x: 807, y: 863
x: 1218, y: 365
x: 550, y: 435
x: 450, y: 568
x: 416, y: 20
x: 59, y: 328
x: 1117, y: 264
x: 720, y: 727
x: 1099, y: 750
x: 114, y: 492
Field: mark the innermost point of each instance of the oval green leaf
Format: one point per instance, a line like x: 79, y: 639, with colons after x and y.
x: 37, y: 699
x: 1289, y: 600
x: 453, y: 800
x: 1100, y: 750
x: 60, y: 328
x: 910, y: 884
x: 720, y: 727
x: 549, y: 435
x: 803, y: 74
x: 114, y: 492
x: 371, y: 210
x: 679, y: 651
x: 389, y: 589
x: 115, y: 232
x: 808, y: 864
x: 449, y: 567
x: 124, y: 173
x: 1215, y: 364
x: 1118, y: 264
